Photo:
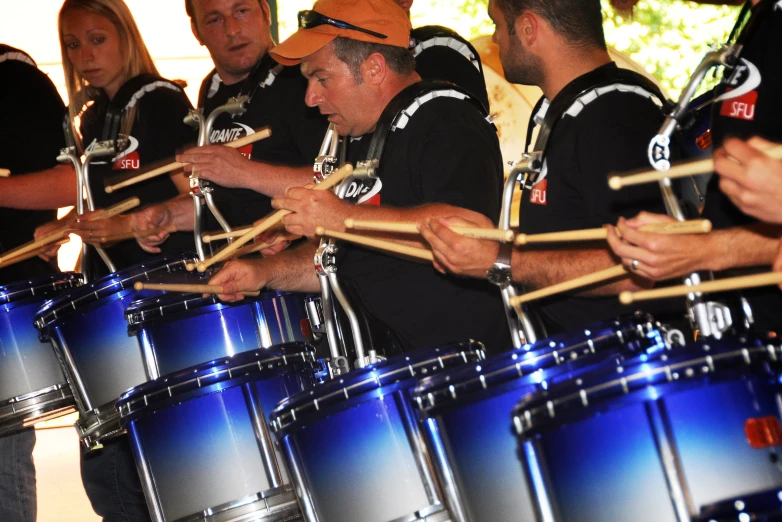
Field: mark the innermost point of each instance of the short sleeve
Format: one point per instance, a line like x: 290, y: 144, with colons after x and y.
x: 456, y: 157
x: 612, y: 136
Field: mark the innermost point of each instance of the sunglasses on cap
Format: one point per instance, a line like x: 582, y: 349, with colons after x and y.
x: 310, y: 19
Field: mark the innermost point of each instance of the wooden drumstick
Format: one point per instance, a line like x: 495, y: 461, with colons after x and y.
x: 136, y: 234
x: 188, y: 289
x: 272, y: 219
x: 31, y: 254
x: 566, y: 286
x: 62, y: 231
x: 694, y: 226
x: 4, y: 173
x: 379, y: 244
x: 208, y: 238
x: 260, y: 134
x: 721, y: 285
x: 493, y: 234
x: 680, y: 170
x: 256, y: 247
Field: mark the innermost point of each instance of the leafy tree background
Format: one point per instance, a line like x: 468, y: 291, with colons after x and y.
x: 667, y: 37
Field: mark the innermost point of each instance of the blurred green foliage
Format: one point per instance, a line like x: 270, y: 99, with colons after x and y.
x: 667, y: 37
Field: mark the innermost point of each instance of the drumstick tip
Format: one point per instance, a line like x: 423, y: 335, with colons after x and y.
x: 109, y: 189
x: 615, y: 182
x: 521, y: 239
x: 706, y: 226
x: 319, y: 231
x: 138, y: 285
x: 201, y: 267
x: 626, y: 297
x: 349, y: 222
x: 207, y: 238
x: 4, y: 173
x: 190, y: 267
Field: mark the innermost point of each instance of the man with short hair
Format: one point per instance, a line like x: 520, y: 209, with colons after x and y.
x: 558, y: 45
x: 445, y: 155
x: 238, y: 36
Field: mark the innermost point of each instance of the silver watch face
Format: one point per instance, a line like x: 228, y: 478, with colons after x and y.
x: 499, y: 275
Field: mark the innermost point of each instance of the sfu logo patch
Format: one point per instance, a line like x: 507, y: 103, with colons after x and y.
x: 742, y: 108
x: 128, y: 159
x: 537, y: 195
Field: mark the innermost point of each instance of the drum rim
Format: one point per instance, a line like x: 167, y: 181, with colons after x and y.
x: 153, y: 395
x: 150, y: 309
x: 120, y: 283
x: 37, y: 290
x: 455, y: 386
x: 560, y: 402
x: 284, y: 498
x: 369, y: 381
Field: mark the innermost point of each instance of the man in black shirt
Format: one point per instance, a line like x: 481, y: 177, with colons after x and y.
x: 557, y: 45
x: 30, y: 139
x: 748, y: 104
x: 238, y: 37
x: 445, y: 154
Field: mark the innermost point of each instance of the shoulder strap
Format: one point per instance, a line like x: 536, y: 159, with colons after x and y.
x: 127, y: 96
x: 436, y: 35
x: 583, y: 85
x: 208, y: 87
x: 405, y: 104
x: 8, y: 53
x: 262, y: 76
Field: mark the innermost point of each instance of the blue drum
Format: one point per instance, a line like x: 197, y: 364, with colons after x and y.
x: 89, y: 333
x: 466, y: 413
x: 201, y: 441
x: 32, y: 385
x: 655, y: 441
x: 177, y: 331
x: 354, y: 447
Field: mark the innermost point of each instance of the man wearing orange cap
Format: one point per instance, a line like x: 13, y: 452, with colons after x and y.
x: 440, y: 153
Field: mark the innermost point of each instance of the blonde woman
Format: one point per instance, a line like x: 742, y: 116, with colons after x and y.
x: 114, y: 91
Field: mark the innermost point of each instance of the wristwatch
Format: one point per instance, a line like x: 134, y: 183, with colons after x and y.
x: 500, y: 273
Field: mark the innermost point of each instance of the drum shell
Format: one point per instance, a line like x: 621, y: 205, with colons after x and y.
x: 193, y: 329
x: 361, y: 459
x: 29, y: 367
x: 469, y: 431
x: 622, y: 477
x: 200, y: 445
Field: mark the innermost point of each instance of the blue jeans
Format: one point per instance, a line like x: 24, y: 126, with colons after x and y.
x: 112, y: 484
x: 18, y: 501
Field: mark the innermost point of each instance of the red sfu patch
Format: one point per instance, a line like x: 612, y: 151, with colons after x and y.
x: 538, y: 194
x: 742, y: 108
x: 247, y: 151
x: 131, y: 161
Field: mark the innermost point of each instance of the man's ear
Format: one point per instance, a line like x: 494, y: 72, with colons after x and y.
x: 267, y: 12
x: 194, y: 28
x: 374, y: 69
x: 527, y: 28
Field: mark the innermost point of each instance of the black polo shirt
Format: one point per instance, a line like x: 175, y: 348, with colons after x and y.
x: 297, y: 133
x: 601, y: 135
x: 749, y: 104
x: 30, y: 139
x: 446, y: 153
x: 157, y: 134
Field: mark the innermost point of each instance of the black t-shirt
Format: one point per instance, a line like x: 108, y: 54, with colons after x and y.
x: 441, y: 54
x: 447, y: 153
x: 610, y: 133
x: 31, y: 137
x: 756, y: 111
x: 158, y: 132
x: 297, y: 133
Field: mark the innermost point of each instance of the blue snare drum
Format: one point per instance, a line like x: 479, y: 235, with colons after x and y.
x: 201, y: 440
x: 353, y: 444
x: 88, y: 330
x: 466, y: 414
x: 32, y: 385
x: 655, y: 441
x: 177, y: 331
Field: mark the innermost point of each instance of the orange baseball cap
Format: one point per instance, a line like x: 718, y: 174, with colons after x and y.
x: 383, y: 17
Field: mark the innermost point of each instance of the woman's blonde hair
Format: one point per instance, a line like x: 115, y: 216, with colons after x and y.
x: 137, y: 59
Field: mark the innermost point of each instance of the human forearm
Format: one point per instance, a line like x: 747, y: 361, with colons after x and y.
x: 293, y: 270
x: 44, y: 190
x: 275, y: 180
x: 752, y: 245
x: 542, y: 268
